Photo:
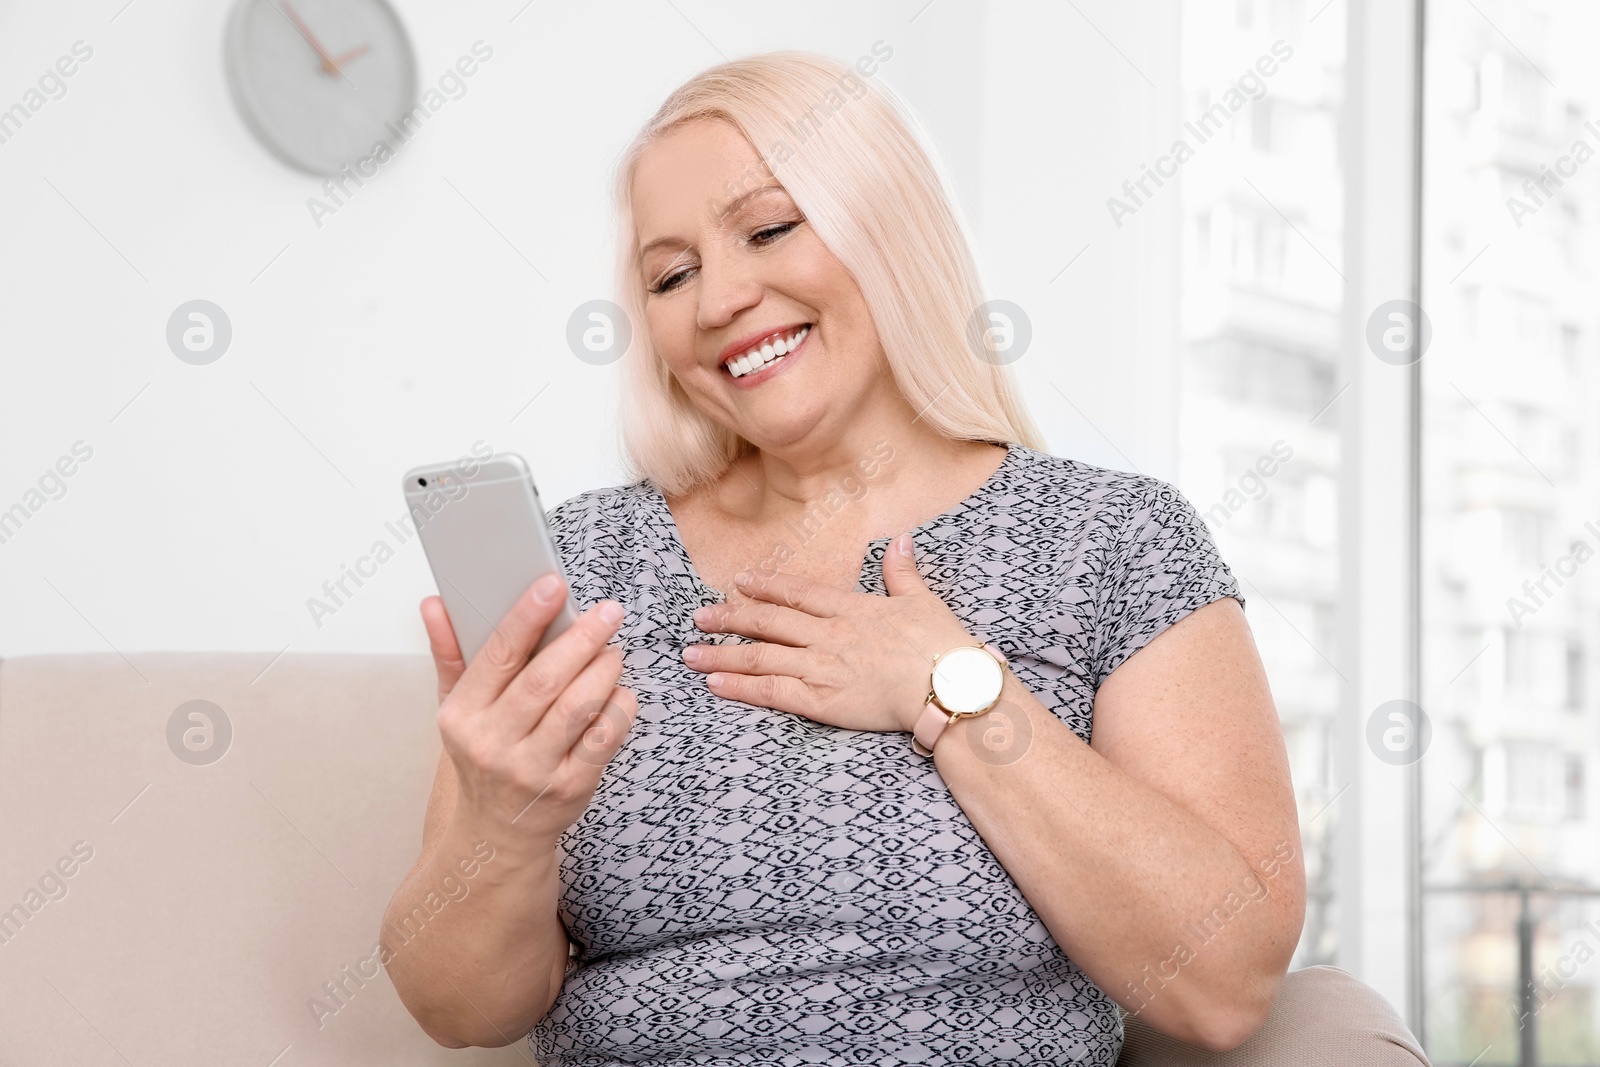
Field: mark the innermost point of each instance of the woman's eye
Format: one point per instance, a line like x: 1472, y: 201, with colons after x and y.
x: 670, y: 282
x: 770, y: 233
x: 765, y: 235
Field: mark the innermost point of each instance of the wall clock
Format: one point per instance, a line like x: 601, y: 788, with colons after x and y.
x: 317, y: 81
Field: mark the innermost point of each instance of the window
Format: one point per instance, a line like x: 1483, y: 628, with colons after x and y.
x: 1261, y: 125
x: 1273, y: 373
x: 1577, y: 806
x: 1258, y: 359
x: 1270, y: 250
x: 1575, y: 678
x: 1522, y: 91
x: 1534, y: 782
x: 1520, y: 662
x: 1509, y: 482
x: 1524, y: 537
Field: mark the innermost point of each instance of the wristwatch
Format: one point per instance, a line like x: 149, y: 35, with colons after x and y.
x: 965, y: 682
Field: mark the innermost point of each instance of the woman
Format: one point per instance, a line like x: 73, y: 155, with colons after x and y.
x: 745, y: 857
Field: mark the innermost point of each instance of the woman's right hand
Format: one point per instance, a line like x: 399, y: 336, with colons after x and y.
x: 529, y: 738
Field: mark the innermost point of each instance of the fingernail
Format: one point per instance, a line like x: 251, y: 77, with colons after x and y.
x: 691, y: 655
x: 904, y: 544
x: 544, y: 590
x: 611, y: 613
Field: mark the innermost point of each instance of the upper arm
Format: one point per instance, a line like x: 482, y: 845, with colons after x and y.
x: 1190, y: 714
x: 1182, y: 701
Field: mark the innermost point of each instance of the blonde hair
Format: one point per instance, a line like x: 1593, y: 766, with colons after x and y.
x: 857, y: 170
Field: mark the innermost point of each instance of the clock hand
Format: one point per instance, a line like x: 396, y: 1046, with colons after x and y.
x: 328, y: 65
x: 350, y: 55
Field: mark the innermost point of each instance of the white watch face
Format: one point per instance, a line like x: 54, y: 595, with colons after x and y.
x: 967, y: 680
x: 318, y: 81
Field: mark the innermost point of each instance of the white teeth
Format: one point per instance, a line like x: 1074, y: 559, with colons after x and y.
x: 757, y: 358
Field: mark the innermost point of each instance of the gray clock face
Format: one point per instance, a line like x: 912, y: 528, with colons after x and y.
x: 317, y: 81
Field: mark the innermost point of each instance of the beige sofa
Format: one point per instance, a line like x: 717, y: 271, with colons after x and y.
x: 177, y: 911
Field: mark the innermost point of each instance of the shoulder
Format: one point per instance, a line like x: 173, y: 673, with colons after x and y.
x: 1111, y: 501
x: 605, y: 511
x: 600, y: 533
x: 1142, y: 553
x: 591, y: 505
x: 1130, y: 532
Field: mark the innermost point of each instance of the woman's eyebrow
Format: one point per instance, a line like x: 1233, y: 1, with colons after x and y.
x: 733, y: 205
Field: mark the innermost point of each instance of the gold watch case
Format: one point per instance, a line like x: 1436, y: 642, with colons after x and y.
x: 966, y: 681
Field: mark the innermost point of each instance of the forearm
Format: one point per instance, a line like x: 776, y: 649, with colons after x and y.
x: 483, y: 968
x: 1154, y: 905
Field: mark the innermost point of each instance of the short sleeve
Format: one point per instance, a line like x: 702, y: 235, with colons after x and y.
x: 1163, y: 564
x: 565, y: 522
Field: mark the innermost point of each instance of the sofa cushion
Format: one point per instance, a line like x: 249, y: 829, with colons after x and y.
x: 209, y: 902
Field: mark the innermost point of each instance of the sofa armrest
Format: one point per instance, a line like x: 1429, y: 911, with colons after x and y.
x: 1322, y: 1015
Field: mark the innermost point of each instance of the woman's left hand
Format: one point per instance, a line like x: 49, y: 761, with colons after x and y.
x: 848, y: 659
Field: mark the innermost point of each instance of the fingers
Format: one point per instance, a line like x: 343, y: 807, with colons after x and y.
x: 591, y: 718
x: 760, y: 619
x: 510, y: 644
x: 604, y: 728
x: 749, y: 658
x: 447, y: 661
x: 543, y: 680
x: 813, y: 598
x: 774, y: 691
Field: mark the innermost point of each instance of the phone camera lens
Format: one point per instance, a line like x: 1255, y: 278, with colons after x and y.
x: 422, y: 481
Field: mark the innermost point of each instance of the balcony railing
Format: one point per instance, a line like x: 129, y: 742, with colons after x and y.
x: 1527, y: 928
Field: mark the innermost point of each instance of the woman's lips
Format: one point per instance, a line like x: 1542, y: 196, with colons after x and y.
x: 750, y: 381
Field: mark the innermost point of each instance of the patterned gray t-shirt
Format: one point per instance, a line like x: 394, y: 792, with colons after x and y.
x: 752, y: 887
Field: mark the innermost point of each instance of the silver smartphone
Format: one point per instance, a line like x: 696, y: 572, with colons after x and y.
x: 486, y: 539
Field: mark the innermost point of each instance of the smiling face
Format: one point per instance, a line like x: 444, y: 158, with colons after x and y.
x: 727, y: 273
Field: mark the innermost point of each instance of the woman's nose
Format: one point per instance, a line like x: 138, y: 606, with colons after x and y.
x: 726, y: 288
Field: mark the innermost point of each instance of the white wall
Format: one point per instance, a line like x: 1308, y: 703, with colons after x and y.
x: 405, y: 327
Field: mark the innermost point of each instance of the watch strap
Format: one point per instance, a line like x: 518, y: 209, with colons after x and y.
x: 930, y: 724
